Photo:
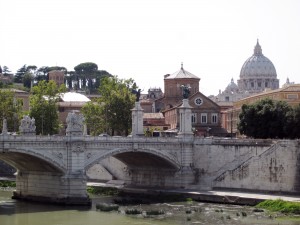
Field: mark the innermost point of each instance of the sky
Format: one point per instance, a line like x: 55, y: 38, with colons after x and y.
x: 146, y: 39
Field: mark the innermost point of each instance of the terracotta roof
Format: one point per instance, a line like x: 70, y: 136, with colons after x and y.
x: 182, y: 73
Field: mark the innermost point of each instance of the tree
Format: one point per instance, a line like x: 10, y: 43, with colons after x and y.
x: 265, y: 119
x: 115, y: 105
x: 93, y: 118
x: 28, y: 79
x: 293, y: 123
x: 20, y: 74
x: 0, y: 69
x: 86, y: 72
x: 43, y: 107
x: 6, y: 71
x: 88, y: 75
x: 10, y: 109
x: 42, y: 74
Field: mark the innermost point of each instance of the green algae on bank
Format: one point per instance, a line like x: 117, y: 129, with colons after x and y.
x: 280, y: 205
x: 7, y: 183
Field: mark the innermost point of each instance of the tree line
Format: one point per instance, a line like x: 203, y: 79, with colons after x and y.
x: 268, y: 118
x: 85, y: 76
x: 109, y: 113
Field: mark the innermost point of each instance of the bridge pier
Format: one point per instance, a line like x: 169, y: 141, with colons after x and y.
x: 51, y: 187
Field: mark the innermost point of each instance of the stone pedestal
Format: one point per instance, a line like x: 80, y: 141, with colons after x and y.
x: 75, y: 124
x: 137, y: 120
x: 185, y: 123
x: 4, y: 127
x: 186, y: 135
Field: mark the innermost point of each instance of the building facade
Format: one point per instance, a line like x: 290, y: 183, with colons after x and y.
x: 206, y: 114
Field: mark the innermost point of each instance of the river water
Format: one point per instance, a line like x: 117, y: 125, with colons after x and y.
x: 13, y: 212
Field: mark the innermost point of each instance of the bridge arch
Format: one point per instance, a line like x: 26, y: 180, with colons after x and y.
x: 146, y: 157
x: 30, y: 160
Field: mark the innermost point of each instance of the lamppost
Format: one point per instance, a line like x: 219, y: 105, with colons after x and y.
x: 14, y: 113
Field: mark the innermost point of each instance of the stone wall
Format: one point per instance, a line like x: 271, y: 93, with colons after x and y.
x: 211, y: 161
x: 274, y: 170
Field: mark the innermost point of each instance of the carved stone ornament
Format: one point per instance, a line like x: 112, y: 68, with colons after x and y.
x: 77, y: 148
x: 75, y: 124
x: 27, y: 126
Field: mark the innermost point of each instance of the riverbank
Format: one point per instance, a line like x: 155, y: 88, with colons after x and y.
x: 214, y: 196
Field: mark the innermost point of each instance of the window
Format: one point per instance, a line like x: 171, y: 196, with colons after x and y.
x: 214, y: 118
x: 194, y: 117
x: 292, y: 96
x: 203, y: 117
x: 198, y: 101
x: 227, y: 99
x: 252, y: 84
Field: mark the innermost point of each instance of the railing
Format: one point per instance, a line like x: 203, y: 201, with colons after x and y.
x: 195, y: 140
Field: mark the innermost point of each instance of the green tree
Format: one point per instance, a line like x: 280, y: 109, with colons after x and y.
x: 93, y: 118
x: 115, y: 105
x: 88, y: 75
x: 20, y: 74
x: 43, y: 107
x: 42, y: 74
x: 265, y: 119
x: 86, y: 72
x: 6, y: 71
x: 28, y: 79
x: 293, y: 123
x: 10, y: 109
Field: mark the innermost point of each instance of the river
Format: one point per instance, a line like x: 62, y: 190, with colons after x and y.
x: 14, y: 212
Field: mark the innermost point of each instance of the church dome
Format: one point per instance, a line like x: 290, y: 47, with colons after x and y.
x: 232, y: 87
x: 258, y: 66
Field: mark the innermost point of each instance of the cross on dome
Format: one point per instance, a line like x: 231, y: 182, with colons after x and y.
x: 257, y: 49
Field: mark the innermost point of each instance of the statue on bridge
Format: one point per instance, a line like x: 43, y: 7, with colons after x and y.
x: 74, y: 124
x: 137, y: 94
x: 27, y: 126
x: 185, y: 91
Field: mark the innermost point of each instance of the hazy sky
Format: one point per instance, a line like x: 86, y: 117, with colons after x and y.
x: 146, y: 39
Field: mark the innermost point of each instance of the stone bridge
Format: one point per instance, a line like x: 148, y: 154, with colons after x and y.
x: 53, y: 168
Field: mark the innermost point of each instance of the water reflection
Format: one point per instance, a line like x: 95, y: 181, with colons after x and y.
x: 14, y: 212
